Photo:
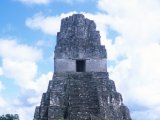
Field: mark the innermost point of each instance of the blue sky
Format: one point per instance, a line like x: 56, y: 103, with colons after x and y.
x: 129, y: 30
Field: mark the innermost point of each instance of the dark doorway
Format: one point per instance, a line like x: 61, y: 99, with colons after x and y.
x: 80, y: 65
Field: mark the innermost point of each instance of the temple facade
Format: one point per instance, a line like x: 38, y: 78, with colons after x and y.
x: 80, y: 88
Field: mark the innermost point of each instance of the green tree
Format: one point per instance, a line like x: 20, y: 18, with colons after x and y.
x: 8, y: 117
x: 61, y: 118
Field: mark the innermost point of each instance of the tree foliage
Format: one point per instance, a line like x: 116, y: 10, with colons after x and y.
x: 7, y: 117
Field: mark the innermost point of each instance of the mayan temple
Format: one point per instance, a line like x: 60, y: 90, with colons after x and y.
x: 80, y: 88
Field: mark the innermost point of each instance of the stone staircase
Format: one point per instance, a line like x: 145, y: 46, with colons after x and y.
x: 82, y: 95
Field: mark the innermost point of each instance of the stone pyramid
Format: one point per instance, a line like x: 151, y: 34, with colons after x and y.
x: 80, y: 88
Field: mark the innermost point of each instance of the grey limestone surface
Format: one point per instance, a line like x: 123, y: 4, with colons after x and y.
x: 85, y: 95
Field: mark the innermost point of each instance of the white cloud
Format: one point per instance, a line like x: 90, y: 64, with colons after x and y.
x: 1, y: 71
x: 3, y: 102
x: 25, y: 104
x: 10, y: 49
x: 30, y: 2
x: 42, y: 81
x: 19, y: 63
x: 22, y: 72
x: 49, y: 25
x: 137, y: 22
x: 25, y: 113
x: 152, y: 114
x: 138, y: 17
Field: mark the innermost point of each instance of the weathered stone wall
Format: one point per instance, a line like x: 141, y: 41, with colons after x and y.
x: 96, y: 65
x: 69, y: 65
x: 78, y: 96
x: 64, y: 65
